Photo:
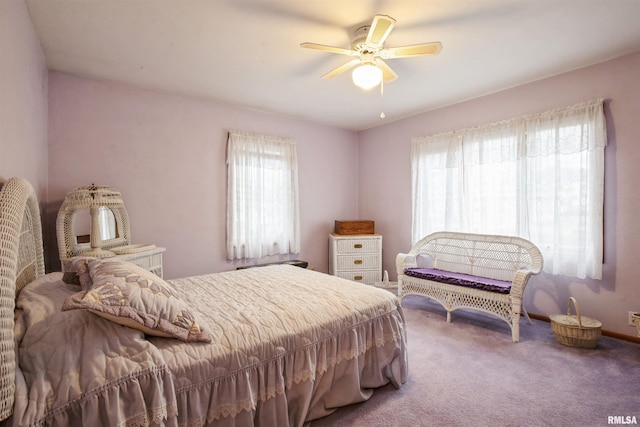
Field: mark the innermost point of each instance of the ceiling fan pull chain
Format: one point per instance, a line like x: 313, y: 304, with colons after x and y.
x: 382, y: 98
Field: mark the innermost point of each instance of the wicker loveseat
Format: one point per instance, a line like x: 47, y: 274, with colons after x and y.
x: 474, y: 271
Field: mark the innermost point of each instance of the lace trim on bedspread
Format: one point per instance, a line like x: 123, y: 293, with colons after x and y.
x: 143, y: 401
x: 289, y: 365
x: 153, y: 417
x: 267, y: 379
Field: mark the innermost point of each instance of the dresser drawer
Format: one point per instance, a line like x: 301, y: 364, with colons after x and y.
x: 357, y: 257
x: 355, y: 246
x: 149, y: 260
x: 358, y: 262
x: 367, y: 277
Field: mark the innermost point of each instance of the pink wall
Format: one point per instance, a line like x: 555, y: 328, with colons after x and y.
x: 166, y: 154
x: 23, y: 99
x: 385, y: 181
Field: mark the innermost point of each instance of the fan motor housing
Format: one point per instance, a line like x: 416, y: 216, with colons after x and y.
x: 359, y: 38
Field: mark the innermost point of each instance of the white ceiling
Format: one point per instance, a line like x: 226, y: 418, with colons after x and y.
x: 247, y: 53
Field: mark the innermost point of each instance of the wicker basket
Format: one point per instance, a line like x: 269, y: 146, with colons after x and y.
x: 575, y: 331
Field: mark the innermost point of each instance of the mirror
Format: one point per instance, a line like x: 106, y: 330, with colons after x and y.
x: 91, y: 221
x: 107, y: 222
x: 82, y: 224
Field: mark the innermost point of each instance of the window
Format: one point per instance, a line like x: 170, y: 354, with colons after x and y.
x: 262, y: 196
x: 540, y: 177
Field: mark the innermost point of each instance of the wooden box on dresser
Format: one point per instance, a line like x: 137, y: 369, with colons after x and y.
x: 356, y: 257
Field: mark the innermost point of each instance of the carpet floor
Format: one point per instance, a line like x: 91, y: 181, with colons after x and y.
x: 469, y: 373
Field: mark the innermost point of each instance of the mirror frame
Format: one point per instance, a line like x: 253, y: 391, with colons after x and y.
x: 83, y: 198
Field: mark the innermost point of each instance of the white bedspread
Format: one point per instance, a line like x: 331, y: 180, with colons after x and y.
x: 289, y: 345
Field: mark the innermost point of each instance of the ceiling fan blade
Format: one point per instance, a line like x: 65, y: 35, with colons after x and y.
x: 379, y: 31
x: 341, y: 69
x: 432, y: 48
x: 388, y: 75
x: 331, y: 49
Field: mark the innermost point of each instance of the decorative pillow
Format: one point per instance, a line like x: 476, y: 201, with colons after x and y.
x: 424, y: 261
x: 76, y: 271
x: 70, y: 278
x: 132, y: 296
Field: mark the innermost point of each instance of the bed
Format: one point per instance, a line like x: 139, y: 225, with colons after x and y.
x: 272, y: 346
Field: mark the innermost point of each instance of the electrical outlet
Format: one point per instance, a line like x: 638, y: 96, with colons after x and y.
x: 631, y: 313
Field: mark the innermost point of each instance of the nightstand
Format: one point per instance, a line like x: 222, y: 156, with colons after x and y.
x: 356, y: 257
x: 150, y: 259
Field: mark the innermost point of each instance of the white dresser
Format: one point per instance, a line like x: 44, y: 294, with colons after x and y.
x: 356, y: 257
x: 150, y: 259
x: 93, y: 221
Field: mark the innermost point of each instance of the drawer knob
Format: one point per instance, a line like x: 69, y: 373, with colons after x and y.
x: 357, y: 278
x: 358, y: 245
x: 357, y: 261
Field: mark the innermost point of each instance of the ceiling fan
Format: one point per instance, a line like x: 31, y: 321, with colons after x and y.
x: 367, y: 48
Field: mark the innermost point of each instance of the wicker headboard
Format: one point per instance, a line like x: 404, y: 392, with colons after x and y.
x: 21, y: 261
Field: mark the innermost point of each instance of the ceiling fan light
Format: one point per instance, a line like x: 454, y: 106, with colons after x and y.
x: 367, y: 76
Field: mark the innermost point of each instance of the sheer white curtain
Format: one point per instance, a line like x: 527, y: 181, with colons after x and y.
x: 540, y: 177
x: 262, y: 196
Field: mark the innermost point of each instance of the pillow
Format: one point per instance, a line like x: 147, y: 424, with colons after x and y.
x: 76, y: 271
x: 70, y: 278
x: 129, y: 295
x: 424, y: 261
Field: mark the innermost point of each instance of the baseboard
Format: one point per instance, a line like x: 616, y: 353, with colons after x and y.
x: 606, y: 333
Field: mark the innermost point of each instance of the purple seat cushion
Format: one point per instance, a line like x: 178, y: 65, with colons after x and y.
x: 499, y: 286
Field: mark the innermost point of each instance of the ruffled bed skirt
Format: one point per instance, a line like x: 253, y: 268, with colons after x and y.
x: 283, y: 360
x: 295, y: 388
